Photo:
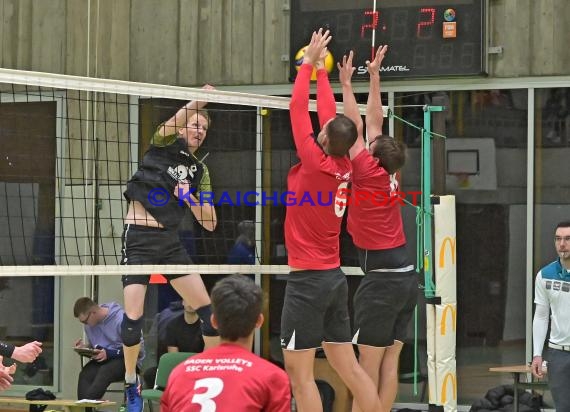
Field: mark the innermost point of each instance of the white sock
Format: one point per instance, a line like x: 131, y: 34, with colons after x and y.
x: 131, y: 378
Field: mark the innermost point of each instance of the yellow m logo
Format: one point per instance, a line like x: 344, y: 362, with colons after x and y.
x: 451, y: 377
x: 453, y: 311
x: 447, y: 240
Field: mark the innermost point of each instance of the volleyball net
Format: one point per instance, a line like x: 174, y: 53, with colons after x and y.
x: 70, y: 144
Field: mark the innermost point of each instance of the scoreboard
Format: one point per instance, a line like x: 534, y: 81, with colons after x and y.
x: 425, y: 38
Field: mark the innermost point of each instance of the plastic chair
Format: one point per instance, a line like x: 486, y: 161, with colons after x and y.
x: 166, y: 363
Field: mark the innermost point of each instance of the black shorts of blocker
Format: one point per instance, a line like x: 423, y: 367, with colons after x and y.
x: 143, y: 245
x: 315, y: 309
x: 383, y: 305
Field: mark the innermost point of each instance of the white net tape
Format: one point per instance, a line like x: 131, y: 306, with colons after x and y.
x: 117, y: 270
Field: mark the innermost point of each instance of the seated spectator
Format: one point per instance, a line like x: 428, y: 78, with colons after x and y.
x: 156, y: 339
x: 160, y: 324
x: 183, y: 334
x: 228, y: 377
x: 243, y: 250
x: 103, y: 332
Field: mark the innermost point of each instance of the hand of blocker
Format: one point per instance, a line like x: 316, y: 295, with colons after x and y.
x: 373, y: 66
x: 317, y: 48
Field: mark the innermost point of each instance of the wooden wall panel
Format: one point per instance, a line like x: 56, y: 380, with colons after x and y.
x: 113, y: 39
x: 16, y: 34
x: 542, y: 37
x: 49, y: 31
x: 154, y: 41
x: 239, y: 42
x: 228, y: 42
x: 276, y: 43
x: 190, y: 44
x: 561, y: 49
x: 211, y: 49
x: 77, y: 18
x: 258, y: 40
x: 510, y: 28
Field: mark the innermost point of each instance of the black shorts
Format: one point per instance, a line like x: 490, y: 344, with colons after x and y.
x: 385, y: 300
x: 385, y: 260
x: 315, y: 309
x: 143, y: 245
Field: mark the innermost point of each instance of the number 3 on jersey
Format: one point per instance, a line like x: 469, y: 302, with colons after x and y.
x: 214, y: 387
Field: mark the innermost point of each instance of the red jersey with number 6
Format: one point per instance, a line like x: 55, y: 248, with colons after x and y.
x: 317, y: 185
x: 226, y: 378
x: 374, y: 222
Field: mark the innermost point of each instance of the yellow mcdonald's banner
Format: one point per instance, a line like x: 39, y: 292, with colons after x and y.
x: 448, y: 316
x: 441, y: 318
x: 448, y: 388
x: 445, y: 250
x: 447, y: 241
x: 445, y: 333
x: 446, y: 385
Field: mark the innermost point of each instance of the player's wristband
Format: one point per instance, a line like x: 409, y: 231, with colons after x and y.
x: 6, y: 349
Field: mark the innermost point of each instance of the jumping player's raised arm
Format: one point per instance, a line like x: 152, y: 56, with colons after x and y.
x: 326, y: 104
x: 374, y: 113
x: 346, y: 69
x: 180, y: 118
x: 299, y: 105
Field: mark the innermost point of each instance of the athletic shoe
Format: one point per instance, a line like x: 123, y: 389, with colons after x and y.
x: 133, y: 397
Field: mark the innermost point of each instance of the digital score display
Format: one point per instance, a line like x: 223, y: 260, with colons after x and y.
x: 425, y: 38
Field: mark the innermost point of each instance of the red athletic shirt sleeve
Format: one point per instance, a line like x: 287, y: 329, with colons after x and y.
x: 299, y: 112
x: 326, y: 105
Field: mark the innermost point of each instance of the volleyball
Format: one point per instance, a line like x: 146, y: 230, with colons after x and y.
x: 329, y: 61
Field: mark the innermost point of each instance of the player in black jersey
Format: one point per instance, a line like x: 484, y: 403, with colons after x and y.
x: 167, y: 183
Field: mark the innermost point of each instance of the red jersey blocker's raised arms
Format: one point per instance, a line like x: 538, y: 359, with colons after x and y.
x: 318, y: 176
x: 315, y: 311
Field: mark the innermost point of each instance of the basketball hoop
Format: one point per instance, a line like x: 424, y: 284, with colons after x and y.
x: 462, y: 180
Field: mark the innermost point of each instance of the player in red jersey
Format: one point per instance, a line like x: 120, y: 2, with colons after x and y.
x: 315, y: 311
x: 387, y: 295
x: 229, y: 378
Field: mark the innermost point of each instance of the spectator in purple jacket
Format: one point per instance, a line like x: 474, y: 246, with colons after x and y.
x: 102, y: 324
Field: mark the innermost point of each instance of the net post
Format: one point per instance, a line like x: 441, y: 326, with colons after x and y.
x: 426, y: 207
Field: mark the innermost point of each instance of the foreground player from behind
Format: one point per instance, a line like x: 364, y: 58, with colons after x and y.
x: 315, y: 311
x: 229, y: 378
x: 387, y: 295
x: 169, y: 169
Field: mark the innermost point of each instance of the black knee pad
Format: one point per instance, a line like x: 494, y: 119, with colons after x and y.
x: 131, y: 331
x: 205, y: 314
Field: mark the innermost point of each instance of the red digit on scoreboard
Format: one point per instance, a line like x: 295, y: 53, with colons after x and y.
x: 427, y: 19
x: 372, y: 26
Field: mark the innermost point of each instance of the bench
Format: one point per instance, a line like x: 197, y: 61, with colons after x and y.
x: 68, y: 405
x: 516, y: 371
